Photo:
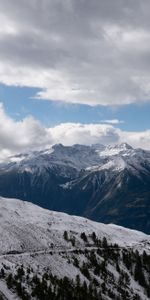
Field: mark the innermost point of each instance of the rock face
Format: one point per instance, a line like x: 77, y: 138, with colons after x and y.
x: 104, y: 183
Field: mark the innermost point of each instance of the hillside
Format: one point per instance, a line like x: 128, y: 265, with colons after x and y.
x: 42, y: 249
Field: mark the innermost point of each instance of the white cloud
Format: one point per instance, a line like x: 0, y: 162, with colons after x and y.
x: 137, y: 139
x: 29, y: 134
x: 77, y: 133
x: 91, y: 52
x: 113, y: 121
x: 24, y: 135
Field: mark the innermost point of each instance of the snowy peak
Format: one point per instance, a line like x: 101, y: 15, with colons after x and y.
x: 72, y: 162
x: 121, y: 149
x: 82, y: 157
x: 104, y: 183
x: 69, y: 162
x: 123, y: 146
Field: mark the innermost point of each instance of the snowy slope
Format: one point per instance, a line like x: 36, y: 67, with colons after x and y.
x: 34, y: 237
x: 27, y: 227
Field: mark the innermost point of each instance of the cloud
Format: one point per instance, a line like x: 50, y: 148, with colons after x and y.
x: 77, y: 133
x: 137, y: 139
x: 113, y: 121
x: 89, y: 52
x: 29, y: 134
x: 21, y: 136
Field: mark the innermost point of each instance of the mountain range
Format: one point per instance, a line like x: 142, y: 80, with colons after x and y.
x: 109, y: 184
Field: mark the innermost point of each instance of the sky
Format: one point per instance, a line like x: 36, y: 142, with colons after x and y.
x: 74, y: 72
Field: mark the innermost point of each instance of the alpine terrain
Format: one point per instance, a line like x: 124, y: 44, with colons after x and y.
x: 51, y: 255
x: 103, y: 183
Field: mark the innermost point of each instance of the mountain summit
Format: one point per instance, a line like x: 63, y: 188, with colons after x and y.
x: 104, y: 183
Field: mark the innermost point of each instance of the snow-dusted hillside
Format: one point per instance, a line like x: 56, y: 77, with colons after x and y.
x: 28, y: 227
x: 33, y: 240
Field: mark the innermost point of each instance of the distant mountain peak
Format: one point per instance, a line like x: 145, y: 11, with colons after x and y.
x: 124, y: 146
x: 58, y: 146
x: 106, y: 183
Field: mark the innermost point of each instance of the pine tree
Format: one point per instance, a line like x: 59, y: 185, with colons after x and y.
x: 84, y: 237
x: 66, y: 235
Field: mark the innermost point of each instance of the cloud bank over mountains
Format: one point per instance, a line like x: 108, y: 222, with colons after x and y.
x: 29, y: 134
x: 89, y: 52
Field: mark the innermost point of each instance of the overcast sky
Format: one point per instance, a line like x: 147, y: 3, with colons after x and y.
x: 94, y: 55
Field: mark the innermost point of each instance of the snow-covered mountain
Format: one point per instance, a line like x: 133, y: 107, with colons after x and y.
x: 80, y: 157
x: 35, y: 242
x: 104, y: 183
